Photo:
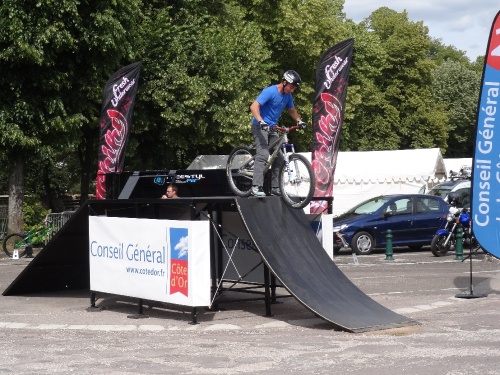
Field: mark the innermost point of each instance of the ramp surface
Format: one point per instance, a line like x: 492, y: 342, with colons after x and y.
x: 293, y: 253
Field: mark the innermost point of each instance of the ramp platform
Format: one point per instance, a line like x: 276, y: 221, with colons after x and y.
x: 282, y: 235
x: 293, y: 253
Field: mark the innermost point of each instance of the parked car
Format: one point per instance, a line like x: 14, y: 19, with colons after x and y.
x: 412, y: 218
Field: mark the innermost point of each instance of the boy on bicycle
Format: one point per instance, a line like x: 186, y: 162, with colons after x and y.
x: 266, y: 111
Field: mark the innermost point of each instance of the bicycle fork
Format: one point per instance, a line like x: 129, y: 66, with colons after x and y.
x: 286, y: 156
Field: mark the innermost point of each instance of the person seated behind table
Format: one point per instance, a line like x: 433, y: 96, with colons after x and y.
x: 171, y: 192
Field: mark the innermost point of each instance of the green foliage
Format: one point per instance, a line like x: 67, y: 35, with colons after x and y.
x: 297, y: 33
x: 440, y: 53
x: 55, y: 58
x: 34, y: 213
x: 370, y: 118
x: 391, y: 78
x: 456, y: 86
x: 203, y: 63
x: 202, y: 66
x: 31, y: 37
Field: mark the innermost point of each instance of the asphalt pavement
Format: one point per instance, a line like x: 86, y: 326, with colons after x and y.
x: 57, y: 333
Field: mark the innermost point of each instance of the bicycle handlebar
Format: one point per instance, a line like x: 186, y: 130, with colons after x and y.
x: 285, y: 129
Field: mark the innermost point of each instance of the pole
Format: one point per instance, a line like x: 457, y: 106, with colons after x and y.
x: 471, y: 287
x: 388, y: 246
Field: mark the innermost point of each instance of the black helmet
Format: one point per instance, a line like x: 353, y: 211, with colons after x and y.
x: 291, y: 76
x: 453, y: 199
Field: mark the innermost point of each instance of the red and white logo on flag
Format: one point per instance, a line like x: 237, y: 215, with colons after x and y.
x: 493, y: 57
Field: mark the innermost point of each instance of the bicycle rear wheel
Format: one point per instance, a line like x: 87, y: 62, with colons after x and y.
x: 239, y: 170
x: 15, y: 241
x: 297, y: 181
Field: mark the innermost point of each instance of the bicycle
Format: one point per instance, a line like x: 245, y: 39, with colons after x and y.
x: 22, y: 241
x: 296, y: 176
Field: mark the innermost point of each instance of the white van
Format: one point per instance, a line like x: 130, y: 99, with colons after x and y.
x: 459, y: 183
x: 462, y: 187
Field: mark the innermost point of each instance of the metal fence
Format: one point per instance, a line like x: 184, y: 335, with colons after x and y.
x: 3, y: 227
x: 57, y: 221
x: 3, y: 221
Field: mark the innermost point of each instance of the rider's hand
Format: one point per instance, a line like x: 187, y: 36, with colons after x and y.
x: 263, y: 125
x: 302, y: 124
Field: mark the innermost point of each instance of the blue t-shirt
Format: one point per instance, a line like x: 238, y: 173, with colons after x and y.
x: 272, y: 103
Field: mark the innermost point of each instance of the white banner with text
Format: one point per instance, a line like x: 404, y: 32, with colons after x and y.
x: 158, y: 260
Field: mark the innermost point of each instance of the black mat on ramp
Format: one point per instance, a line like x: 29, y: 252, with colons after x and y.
x: 295, y: 256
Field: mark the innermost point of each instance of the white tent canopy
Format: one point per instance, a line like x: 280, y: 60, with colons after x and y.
x: 390, y: 166
x: 361, y: 175
x: 455, y: 164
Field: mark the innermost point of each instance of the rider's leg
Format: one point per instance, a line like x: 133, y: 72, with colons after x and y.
x: 261, y: 155
x: 275, y: 168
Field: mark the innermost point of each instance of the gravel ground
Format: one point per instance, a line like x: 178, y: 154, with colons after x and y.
x: 57, y: 333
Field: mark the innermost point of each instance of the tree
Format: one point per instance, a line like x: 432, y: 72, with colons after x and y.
x: 30, y: 37
x: 439, y: 53
x: 202, y: 64
x: 457, y: 87
x: 370, y: 118
x: 297, y: 33
x: 402, y: 100
x: 53, y: 56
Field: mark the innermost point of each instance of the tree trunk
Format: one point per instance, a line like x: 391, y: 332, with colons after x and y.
x: 16, y: 195
x: 47, y: 189
x: 88, y: 161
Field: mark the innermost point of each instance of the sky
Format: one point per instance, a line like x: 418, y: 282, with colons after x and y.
x: 464, y: 24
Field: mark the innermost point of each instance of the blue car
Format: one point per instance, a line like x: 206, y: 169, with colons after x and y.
x: 412, y: 218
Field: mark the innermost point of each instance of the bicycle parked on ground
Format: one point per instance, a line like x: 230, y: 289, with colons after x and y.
x: 23, y: 241
x: 296, y: 176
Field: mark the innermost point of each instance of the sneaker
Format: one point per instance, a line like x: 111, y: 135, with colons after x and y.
x: 257, y: 191
x: 276, y: 191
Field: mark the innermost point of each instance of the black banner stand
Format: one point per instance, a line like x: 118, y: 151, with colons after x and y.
x: 471, y: 294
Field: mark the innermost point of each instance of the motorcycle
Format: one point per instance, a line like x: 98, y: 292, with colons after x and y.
x: 445, y: 239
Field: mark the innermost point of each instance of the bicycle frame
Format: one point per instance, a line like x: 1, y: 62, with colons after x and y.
x: 280, y: 145
x: 23, y: 243
x: 36, y: 236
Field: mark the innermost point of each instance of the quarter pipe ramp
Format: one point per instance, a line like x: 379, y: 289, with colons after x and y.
x: 294, y: 255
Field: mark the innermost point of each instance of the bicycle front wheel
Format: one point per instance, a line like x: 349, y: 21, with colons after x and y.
x: 239, y: 170
x: 15, y: 241
x: 297, y: 181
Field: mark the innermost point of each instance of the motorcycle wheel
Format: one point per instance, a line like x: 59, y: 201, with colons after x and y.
x: 438, y: 247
